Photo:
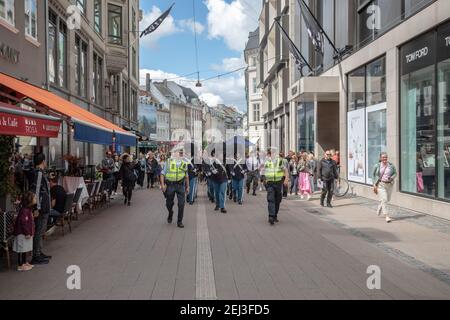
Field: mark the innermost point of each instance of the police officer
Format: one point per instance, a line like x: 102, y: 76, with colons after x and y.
x: 175, y: 181
x: 275, y: 175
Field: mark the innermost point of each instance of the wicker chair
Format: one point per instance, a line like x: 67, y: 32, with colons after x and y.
x: 67, y: 214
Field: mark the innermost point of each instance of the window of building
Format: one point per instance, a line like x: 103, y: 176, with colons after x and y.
x: 7, y: 11
x: 134, y: 62
x: 30, y: 18
x: 375, y: 17
x: 125, y: 103
x: 133, y: 21
x: 425, y: 115
x: 306, y: 129
x: 52, y: 47
x: 115, y: 24
x: 81, y: 5
x: 366, y: 119
x: 254, y: 85
x: 97, y: 79
x: 256, y: 112
x: 62, y: 55
x: 98, y: 16
x: 275, y: 100
x: 81, y: 67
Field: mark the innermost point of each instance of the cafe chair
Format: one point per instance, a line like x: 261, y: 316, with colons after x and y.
x: 6, y: 233
x: 76, y: 199
x: 67, y: 214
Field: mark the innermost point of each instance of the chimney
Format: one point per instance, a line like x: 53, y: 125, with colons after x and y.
x: 148, y: 81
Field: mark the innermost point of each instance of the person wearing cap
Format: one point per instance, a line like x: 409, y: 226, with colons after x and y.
x: 275, y: 175
x: 175, y: 181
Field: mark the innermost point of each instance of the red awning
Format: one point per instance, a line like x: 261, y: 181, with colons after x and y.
x: 18, y: 122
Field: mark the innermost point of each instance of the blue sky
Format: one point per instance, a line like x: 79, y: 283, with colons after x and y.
x: 222, y: 30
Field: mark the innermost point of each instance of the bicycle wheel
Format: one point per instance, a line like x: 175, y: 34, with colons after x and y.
x: 341, y: 188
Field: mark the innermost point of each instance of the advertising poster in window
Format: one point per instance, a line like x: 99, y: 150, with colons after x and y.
x: 356, y: 146
x: 376, y: 136
x: 147, y: 119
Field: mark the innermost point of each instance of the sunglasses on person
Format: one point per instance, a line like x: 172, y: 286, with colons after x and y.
x: 328, y: 154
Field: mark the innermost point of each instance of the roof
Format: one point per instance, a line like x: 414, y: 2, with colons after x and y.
x: 189, y: 93
x: 253, y: 40
x: 164, y: 90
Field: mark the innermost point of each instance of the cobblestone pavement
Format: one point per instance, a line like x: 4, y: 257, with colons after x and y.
x: 313, y: 253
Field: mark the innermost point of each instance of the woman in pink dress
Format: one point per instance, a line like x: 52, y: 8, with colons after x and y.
x: 304, y: 182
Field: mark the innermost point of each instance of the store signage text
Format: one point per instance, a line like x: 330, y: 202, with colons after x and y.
x: 8, y: 53
x: 419, y: 54
x: 21, y: 125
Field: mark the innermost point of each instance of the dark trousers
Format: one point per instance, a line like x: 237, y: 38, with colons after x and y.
x: 127, y: 192
x: 327, y: 191
x: 150, y: 179
x: 252, y: 177
x: 40, y: 224
x: 116, y: 181
x: 21, y: 258
x: 141, y: 177
x: 179, y: 190
x: 274, y: 197
x: 210, y: 184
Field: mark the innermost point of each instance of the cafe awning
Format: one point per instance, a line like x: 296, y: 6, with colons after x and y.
x: 18, y: 122
x: 88, y: 126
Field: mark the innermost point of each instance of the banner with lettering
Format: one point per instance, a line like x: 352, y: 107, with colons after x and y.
x: 19, y: 125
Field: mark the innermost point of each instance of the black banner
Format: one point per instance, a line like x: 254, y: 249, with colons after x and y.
x: 443, y: 38
x: 418, y: 54
x: 156, y: 23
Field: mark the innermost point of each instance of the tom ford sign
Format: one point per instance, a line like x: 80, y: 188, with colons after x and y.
x: 8, y: 53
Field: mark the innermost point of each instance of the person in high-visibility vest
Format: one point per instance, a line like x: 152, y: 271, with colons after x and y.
x: 274, y: 175
x: 175, y: 181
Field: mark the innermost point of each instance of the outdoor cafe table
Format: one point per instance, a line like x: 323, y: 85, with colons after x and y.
x: 71, y: 184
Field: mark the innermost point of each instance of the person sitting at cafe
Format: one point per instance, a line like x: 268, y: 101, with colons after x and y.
x: 58, y: 198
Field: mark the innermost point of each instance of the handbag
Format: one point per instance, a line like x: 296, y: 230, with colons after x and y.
x: 375, y: 187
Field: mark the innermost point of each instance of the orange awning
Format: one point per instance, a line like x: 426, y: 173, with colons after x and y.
x: 59, y: 105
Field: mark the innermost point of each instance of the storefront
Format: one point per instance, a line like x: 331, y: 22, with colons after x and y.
x: 80, y: 129
x: 425, y: 115
x: 366, y: 120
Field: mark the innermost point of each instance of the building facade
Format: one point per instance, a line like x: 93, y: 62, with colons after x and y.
x: 95, y: 63
x: 388, y: 94
x: 273, y: 74
x: 255, y: 119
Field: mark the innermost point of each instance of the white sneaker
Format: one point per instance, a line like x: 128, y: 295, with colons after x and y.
x: 388, y: 220
x: 308, y: 197
x: 302, y: 197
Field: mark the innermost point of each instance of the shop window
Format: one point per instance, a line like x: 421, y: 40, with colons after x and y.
x: 366, y: 120
x: 443, y: 114
x: 306, y: 123
x: 418, y: 116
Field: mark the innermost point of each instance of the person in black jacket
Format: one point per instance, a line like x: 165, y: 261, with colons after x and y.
x: 128, y: 176
x: 328, y: 173
x: 41, y: 188
x: 152, y: 170
x: 237, y: 170
x: 220, y: 181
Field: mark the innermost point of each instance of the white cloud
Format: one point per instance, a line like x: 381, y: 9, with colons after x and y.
x: 232, y: 21
x: 229, y: 90
x: 230, y: 64
x: 189, y: 25
x: 211, y: 99
x: 167, y: 28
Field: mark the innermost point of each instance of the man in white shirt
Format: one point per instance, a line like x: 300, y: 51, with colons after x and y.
x: 253, y: 165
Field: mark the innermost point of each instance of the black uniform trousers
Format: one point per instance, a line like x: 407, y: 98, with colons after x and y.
x: 274, y: 197
x: 178, y: 189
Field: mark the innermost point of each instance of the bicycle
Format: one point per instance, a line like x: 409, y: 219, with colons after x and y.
x: 341, y: 188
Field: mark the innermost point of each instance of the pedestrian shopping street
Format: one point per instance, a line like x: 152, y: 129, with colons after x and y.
x: 312, y: 253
